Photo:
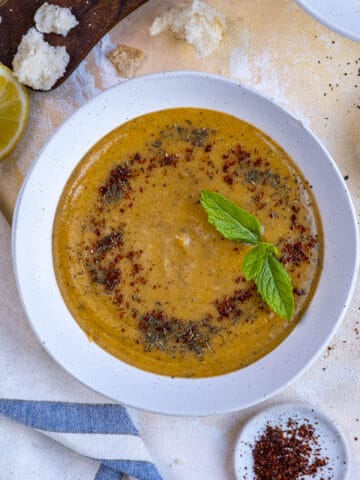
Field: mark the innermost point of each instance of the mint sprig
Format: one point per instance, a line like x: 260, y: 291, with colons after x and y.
x: 230, y: 220
x: 272, y: 280
x: 260, y: 263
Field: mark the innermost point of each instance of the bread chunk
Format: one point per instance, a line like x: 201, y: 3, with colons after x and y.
x: 51, y: 18
x: 37, y: 64
x: 200, y: 24
x: 127, y: 60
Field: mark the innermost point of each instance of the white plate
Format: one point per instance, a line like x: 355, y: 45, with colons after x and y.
x: 330, y: 440
x: 61, y: 335
x: 342, y: 16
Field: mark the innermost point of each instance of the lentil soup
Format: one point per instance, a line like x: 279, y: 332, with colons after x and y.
x: 144, y: 273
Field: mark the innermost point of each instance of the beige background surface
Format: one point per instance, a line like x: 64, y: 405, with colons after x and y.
x: 275, y: 47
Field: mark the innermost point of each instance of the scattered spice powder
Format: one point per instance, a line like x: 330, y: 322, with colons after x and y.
x: 116, y: 185
x: 164, y: 333
x: 230, y: 306
x: 195, y: 136
x: 288, y: 453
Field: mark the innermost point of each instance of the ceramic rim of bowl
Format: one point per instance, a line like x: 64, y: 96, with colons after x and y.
x: 62, y: 337
x: 341, y: 17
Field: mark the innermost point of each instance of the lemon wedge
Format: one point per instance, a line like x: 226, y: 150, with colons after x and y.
x: 14, y: 110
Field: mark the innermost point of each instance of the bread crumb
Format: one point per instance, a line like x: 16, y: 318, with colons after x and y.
x: 201, y: 25
x: 51, y: 18
x: 38, y: 64
x: 127, y: 60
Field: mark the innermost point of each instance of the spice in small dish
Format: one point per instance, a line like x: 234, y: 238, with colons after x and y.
x: 288, y: 453
x: 291, y: 442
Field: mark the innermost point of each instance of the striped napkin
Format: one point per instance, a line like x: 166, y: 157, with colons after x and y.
x: 36, y: 392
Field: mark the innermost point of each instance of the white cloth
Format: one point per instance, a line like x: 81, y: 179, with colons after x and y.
x: 28, y: 373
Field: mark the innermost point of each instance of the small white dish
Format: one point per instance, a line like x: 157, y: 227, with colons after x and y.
x: 341, y: 16
x: 330, y: 439
x: 61, y: 335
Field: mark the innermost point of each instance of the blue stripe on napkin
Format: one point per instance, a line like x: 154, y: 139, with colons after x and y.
x: 69, y: 417
x: 140, y: 470
x: 63, y: 417
x: 107, y: 473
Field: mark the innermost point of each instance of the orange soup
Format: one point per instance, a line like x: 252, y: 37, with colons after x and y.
x: 144, y: 273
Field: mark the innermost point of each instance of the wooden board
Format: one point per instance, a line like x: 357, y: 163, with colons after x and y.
x: 96, y: 18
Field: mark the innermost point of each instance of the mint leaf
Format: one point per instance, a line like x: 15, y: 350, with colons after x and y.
x: 231, y: 221
x: 272, y: 280
x: 271, y: 248
x: 260, y: 263
x: 254, y: 261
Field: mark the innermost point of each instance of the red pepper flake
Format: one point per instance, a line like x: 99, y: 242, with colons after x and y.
x: 168, y: 160
x: 108, y: 243
x: 228, y: 164
x: 229, y: 306
x: 116, y: 185
x: 258, y: 198
x: 109, y: 277
x: 299, y: 291
x: 137, y: 267
x: 152, y: 164
x: 241, y: 154
x: 228, y: 179
x: 298, y: 252
x: 119, y: 298
x: 189, y: 154
x: 288, y: 453
x: 238, y: 162
x: 133, y: 254
x: 241, y: 278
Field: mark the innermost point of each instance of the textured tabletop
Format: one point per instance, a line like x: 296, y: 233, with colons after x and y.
x: 276, y: 48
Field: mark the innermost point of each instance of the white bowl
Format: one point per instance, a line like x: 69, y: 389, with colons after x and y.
x: 62, y: 336
x: 341, y: 16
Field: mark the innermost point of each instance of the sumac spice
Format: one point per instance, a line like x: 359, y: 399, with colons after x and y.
x: 288, y: 453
